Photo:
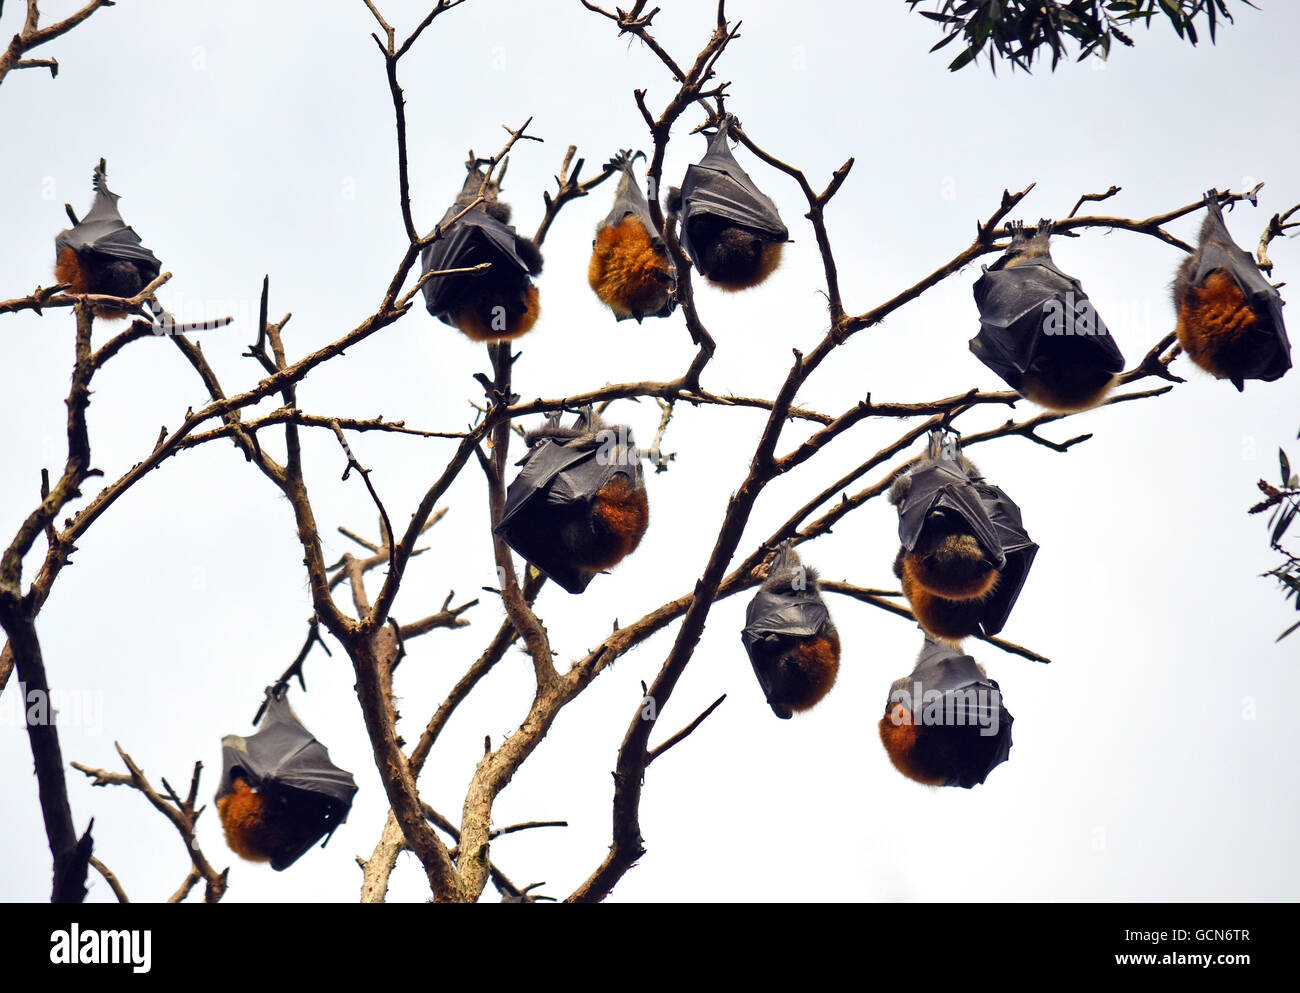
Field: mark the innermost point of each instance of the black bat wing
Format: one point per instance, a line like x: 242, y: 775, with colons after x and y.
x: 102, y: 230
x: 1222, y: 252
x: 476, y: 238
x: 546, y: 461
x: 789, y: 613
x: 717, y: 186
x: 1018, y: 550
x: 283, y: 759
x: 1014, y: 304
x: 942, y: 483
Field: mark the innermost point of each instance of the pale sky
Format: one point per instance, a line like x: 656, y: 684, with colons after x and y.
x: 1152, y: 760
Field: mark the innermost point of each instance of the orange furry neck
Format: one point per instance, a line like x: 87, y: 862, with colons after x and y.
x: 1214, y: 324
x: 947, y: 620
x: 819, y: 661
x: 248, y: 830
x: 627, y: 272
x: 621, y: 511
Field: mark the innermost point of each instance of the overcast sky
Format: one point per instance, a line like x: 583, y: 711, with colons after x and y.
x: 1154, y: 759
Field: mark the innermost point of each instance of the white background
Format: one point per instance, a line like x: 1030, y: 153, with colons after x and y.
x: 1153, y: 760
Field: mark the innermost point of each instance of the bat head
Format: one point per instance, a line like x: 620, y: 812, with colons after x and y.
x: 733, y: 256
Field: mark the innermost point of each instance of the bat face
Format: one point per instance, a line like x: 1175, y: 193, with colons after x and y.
x: 1039, y: 331
x: 499, y: 303
x: 1229, y: 316
x: 964, y: 553
x: 730, y: 229
x: 579, y: 505
x: 630, y: 270
x: 279, y: 792
x: 788, y: 635
x: 102, y: 254
x: 945, y: 724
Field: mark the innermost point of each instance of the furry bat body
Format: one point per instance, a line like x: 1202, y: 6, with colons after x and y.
x: 630, y: 270
x: 1229, y: 316
x: 791, y: 642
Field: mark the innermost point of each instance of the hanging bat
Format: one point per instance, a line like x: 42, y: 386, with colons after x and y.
x: 792, y: 644
x: 578, y: 505
x: 280, y: 793
x: 945, y: 724
x: 501, y: 302
x: 630, y: 270
x: 1038, y: 329
x: 964, y: 554
x: 101, y: 254
x: 1229, y: 316
x: 730, y: 229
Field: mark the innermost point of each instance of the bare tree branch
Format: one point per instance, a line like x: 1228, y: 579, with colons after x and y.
x: 32, y: 36
x: 181, y: 813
